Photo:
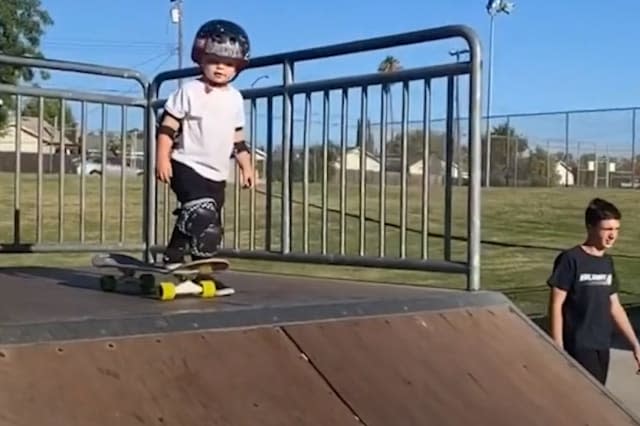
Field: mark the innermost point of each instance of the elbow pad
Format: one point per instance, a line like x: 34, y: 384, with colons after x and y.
x: 163, y: 129
x: 239, y: 147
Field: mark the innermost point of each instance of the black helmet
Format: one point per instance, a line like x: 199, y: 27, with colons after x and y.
x: 223, y: 39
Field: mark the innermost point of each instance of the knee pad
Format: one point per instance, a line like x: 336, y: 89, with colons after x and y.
x: 200, y: 221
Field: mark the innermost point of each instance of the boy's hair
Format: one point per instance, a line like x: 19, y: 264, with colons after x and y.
x: 599, y: 210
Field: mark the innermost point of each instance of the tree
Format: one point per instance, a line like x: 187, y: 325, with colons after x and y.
x: 389, y: 64
x: 22, y: 24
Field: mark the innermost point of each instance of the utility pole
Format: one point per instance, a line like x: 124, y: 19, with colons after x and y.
x: 493, y: 7
x: 176, y: 18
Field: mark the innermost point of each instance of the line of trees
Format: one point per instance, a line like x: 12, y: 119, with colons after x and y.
x: 22, y: 25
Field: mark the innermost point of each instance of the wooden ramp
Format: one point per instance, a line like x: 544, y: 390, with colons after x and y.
x: 335, y: 353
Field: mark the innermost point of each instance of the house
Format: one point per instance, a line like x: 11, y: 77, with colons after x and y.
x: 565, y: 174
x: 29, y: 131
x: 393, y: 167
x: 352, y: 161
x: 437, y: 167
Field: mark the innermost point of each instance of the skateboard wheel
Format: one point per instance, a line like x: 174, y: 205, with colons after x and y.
x: 208, y: 288
x: 108, y: 283
x: 147, y: 283
x: 167, y: 291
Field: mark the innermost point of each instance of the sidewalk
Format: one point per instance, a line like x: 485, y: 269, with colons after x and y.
x: 622, y: 381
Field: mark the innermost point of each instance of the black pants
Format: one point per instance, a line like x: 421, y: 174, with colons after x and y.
x: 595, y: 361
x: 188, y: 185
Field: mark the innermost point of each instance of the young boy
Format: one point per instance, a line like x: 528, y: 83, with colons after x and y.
x: 584, y: 304
x: 208, y: 114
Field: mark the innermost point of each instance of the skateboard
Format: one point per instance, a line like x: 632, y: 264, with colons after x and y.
x: 194, y: 278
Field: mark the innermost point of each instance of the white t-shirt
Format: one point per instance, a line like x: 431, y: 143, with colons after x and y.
x: 209, y: 121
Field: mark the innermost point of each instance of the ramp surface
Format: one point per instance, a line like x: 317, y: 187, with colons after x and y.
x: 460, y: 367
x: 283, y: 351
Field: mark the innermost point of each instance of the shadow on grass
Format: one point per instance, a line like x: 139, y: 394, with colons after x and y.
x: 436, y: 234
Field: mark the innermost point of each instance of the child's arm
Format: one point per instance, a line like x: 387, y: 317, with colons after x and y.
x: 621, y: 320
x: 242, y: 154
x: 243, y: 157
x: 560, y: 282
x: 166, y: 134
x: 557, y: 297
x: 169, y: 125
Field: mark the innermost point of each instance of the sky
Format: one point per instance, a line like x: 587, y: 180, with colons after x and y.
x: 548, y: 55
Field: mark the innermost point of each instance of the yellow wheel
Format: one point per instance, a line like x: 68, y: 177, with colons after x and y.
x: 208, y: 288
x: 167, y: 291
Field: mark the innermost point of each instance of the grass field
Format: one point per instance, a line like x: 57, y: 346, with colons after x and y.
x: 522, y: 229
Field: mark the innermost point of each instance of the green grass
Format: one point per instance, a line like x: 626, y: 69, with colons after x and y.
x: 522, y: 229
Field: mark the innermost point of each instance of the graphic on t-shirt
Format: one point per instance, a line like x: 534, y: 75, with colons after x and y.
x: 596, y: 279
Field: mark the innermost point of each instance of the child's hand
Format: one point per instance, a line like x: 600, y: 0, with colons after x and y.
x: 164, y: 171
x: 247, y: 177
x: 636, y: 355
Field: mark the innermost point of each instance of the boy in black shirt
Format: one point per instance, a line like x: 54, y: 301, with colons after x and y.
x: 584, y: 304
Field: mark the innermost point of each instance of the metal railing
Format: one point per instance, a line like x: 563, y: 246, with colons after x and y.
x: 317, y: 220
x: 65, y: 154
x: 321, y: 230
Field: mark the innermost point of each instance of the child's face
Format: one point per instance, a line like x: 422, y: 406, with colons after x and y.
x: 219, y: 71
x: 605, y: 234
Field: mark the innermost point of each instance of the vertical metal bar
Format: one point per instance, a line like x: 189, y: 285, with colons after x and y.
x: 103, y: 176
x: 488, y: 112
x: 166, y: 213
x: 123, y: 154
x: 344, y: 128
x: 236, y: 207
x: 83, y: 178
x: 548, y: 163
x: 475, y: 163
x: 18, y: 171
x: 606, y: 166
x: 269, y: 189
x: 305, y: 172
x: 448, y: 186
x: 566, y: 149
x: 458, y: 135
x: 325, y: 165
x: 61, y: 172
x: 516, y: 151
x: 383, y: 170
x: 287, y: 141
x: 633, y: 148
x: 426, y: 170
x: 404, y: 168
x: 364, y: 138
x: 596, y: 166
x: 252, y: 197
x: 149, y: 216
x: 223, y: 212
x: 39, y: 201
x: 578, y: 179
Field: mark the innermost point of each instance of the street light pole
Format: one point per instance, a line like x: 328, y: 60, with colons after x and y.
x: 176, y: 18
x: 258, y: 79
x: 494, y: 7
x: 457, y: 53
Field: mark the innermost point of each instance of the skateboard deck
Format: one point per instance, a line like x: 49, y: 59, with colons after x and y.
x: 194, y: 278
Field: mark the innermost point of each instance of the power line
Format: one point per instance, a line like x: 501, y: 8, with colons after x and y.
x: 97, y: 42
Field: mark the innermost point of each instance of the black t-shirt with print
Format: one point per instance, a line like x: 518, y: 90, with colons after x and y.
x: 589, y: 282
